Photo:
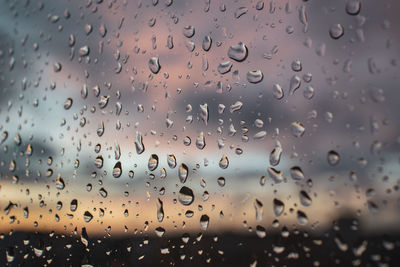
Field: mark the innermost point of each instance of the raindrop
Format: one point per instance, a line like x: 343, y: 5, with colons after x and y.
x: 295, y: 82
x: 305, y: 199
x: 277, y: 91
x: 87, y: 216
x: 224, y: 162
x: 154, y: 65
x: 279, y: 207
x: 73, y: 205
x: 259, y: 209
x: 254, y: 76
x: 224, y: 67
x: 188, y: 31
x: 204, y: 221
x: 207, y: 41
x: 333, y: 158
x: 336, y: 31
x: 153, y: 162
x: 200, y: 141
x: 98, y: 162
x: 171, y: 160
x: 301, y: 218
x: 297, y: 129
x: 276, y: 175
x: 183, y: 172
x: 160, y: 210
x: 238, y: 52
x: 221, y: 181
x: 353, y: 7
x: 186, y: 196
x: 139, y: 143
x: 296, y: 173
x: 117, y: 170
x: 276, y: 153
x: 68, y: 103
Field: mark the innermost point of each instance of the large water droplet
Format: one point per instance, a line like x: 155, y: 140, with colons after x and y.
x: 278, y: 207
x: 276, y: 175
x: 333, y: 158
x: 224, y: 162
x: 183, y: 172
x: 139, y: 143
x: 204, y: 221
x: 153, y: 162
x: 254, y: 76
x: 353, y: 7
x: 207, y: 41
x: 188, y: 31
x: 186, y: 196
x: 301, y: 218
x: 259, y: 209
x: 117, y: 170
x: 160, y: 210
x: 275, y: 156
x: 305, y: 199
x: 171, y: 160
x: 277, y: 91
x: 296, y: 173
x: 154, y: 65
x: 336, y: 31
x: 238, y: 52
x: 224, y: 67
x: 297, y: 129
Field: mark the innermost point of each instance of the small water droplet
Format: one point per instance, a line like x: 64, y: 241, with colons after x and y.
x: 297, y: 129
x: 278, y: 207
x: 117, y: 170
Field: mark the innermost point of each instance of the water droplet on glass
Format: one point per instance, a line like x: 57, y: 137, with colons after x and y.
x: 275, y: 156
x: 171, y: 160
x: 139, y: 143
x: 207, y: 41
x: 301, y: 218
x: 160, y: 210
x: 87, y: 216
x: 336, y: 31
x: 224, y: 67
x: 278, y: 207
x: 305, y: 199
x: 333, y: 158
x: 254, y: 76
x: 296, y: 173
x: 188, y: 31
x: 98, y: 162
x: 224, y: 162
x: 200, y: 141
x: 68, y: 103
x: 276, y: 175
x: 186, y: 196
x: 259, y: 209
x: 154, y: 65
x: 353, y: 7
x: 238, y: 52
x: 277, y: 91
x: 295, y: 82
x: 117, y: 170
x: 296, y: 65
x: 183, y: 172
x: 297, y: 129
x: 204, y: 222
x: 221, y: 181
x: 153, y: 162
